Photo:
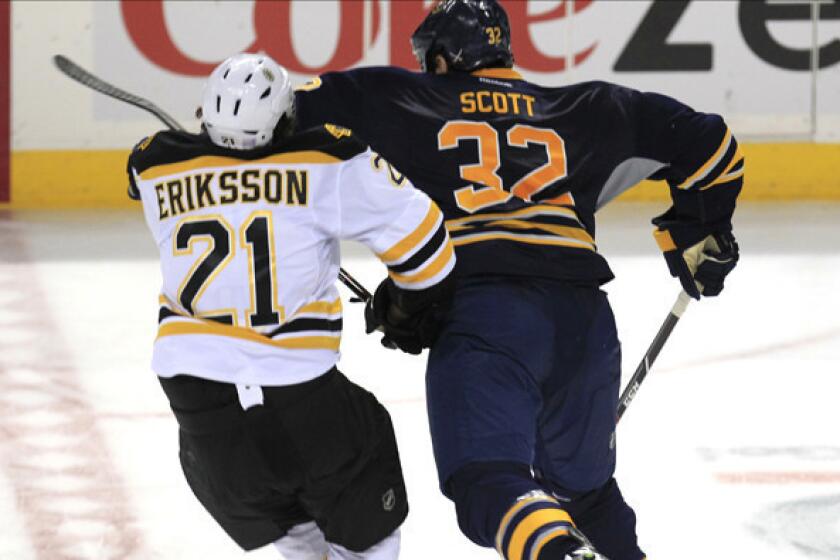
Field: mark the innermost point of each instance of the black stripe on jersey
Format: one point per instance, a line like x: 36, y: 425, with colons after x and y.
x: 737, y: 167
x: 537, y: 220
x: 307, y: 324
x: 737, y: 181
x: 166, y: 313
x: 495, y: 228
x: 548, y: 218
x: 718, y: 169
x: 425, y: 253
x: 534, y: 232
x: 173, y: 146
x: 551, y: 220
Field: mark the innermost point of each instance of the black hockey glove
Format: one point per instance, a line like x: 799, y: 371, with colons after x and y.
x: 410, y: 320
x: 701, y: 267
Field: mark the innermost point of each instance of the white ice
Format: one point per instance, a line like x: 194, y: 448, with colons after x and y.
x: 731, y: 450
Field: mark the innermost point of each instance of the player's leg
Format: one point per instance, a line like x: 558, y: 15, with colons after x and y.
x: 576, y: 449
x: 483, y: 395
x: 354, y: 488
x: 303, y: 542
x: 606, y: 519
x: 225, y: 468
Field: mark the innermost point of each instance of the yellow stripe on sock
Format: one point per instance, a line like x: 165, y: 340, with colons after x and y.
x: 514, y: 509
x: 532, y: 523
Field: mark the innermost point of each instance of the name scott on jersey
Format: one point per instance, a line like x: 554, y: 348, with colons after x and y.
x: 202, y: 190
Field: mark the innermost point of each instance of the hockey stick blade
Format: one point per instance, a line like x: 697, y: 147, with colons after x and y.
x: 650, y: 356
x: 76, y: 72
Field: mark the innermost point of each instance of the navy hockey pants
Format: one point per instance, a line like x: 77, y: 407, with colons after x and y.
x: 526, y: 372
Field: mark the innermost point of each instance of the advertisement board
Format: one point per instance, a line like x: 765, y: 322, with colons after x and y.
x: 770, y: 67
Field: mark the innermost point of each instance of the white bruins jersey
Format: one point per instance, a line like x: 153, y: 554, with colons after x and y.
x: 249, y: 248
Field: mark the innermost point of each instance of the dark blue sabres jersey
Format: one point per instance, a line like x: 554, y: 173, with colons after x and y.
x: 519, y: 170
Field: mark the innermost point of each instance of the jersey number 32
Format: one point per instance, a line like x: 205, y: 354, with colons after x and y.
x: 485, y: 172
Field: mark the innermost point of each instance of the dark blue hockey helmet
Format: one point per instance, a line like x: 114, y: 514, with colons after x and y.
x: 470, y: 34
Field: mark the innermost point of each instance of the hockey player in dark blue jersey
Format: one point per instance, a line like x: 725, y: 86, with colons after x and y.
x: 523, y: 377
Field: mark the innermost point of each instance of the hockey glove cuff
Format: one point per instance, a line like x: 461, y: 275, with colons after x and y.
x: 701, y: 267
x: 409, y: 319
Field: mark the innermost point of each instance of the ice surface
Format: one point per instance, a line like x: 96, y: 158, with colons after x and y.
x: 733, y: 438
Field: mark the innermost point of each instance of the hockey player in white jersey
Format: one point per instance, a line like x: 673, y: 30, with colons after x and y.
x: 275, y: 442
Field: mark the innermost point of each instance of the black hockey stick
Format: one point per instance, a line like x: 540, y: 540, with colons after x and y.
x: 76, y: 72
x: 653, y: 351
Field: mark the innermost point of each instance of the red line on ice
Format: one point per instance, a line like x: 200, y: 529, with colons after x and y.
x: 69, y: 493
x: 779, y: 477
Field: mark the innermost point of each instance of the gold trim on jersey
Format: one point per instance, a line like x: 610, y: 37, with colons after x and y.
x: 211, y: 246
x: 176, y: 328
x: 325, y: 307
x: 530, y: 212
x: 413, y: 239
x: 521, y: 238
x: 444, y: 257
x: 710, y: 163
x: 272, y: 255
x: 502, y: 73
x: 728, y: 174
x: 202, y: 162
x: 561, y: 231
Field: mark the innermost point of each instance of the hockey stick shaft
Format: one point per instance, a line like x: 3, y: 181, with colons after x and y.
x: 652, y: 352
x: 76, y: 72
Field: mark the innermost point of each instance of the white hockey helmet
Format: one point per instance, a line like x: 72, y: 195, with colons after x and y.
x: 244, y: 99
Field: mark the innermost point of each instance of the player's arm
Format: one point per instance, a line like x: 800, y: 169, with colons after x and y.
x: 345, y: 98
x: 381, y: 209
x: 705, y: 172
x: 131, y: 166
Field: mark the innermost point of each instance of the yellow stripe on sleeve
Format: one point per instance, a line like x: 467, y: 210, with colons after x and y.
x: 724, y: 179
x: 532, y: 523
x: 710, y: 163
x: 664, y: 240
x: 434, y: 267
x: 413, y: 239
x: 738, y: 156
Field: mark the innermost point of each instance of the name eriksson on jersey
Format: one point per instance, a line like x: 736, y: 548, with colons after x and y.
x: 202, y: 190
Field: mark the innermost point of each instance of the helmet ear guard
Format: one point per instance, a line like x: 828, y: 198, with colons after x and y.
x: 244, y: 99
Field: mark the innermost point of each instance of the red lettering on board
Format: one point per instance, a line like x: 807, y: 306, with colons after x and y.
x: 273, y: 25
x: 146, y: 25
x: 405, y: 17
x: 528, y: 55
